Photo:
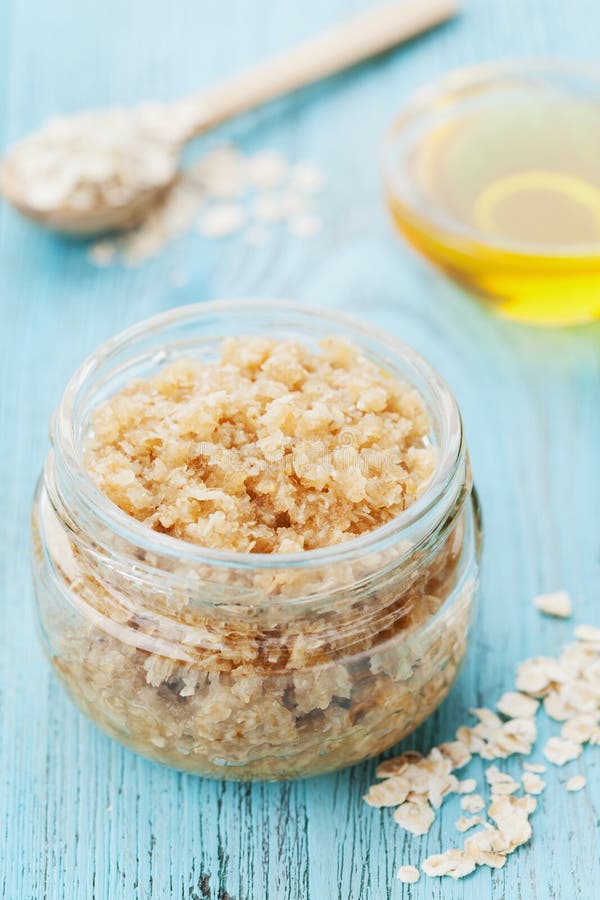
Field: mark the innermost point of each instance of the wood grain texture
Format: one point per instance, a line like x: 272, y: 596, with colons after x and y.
x: 82, y: 819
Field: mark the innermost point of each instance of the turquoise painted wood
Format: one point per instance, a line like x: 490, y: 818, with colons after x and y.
x: 82, y: 819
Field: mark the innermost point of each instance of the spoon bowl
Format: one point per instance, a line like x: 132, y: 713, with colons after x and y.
x: 103, y: 171
x: 103, y: 219
x: 90, y: 173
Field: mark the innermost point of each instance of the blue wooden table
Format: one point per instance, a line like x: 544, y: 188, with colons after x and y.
x: 83, y: 819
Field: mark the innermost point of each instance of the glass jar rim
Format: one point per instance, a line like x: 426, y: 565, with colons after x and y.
x: 64, y: 435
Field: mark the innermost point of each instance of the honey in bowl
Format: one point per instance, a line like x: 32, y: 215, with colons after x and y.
x: 494, y: 175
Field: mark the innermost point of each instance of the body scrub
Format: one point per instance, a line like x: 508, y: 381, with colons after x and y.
x: 255, y: 556
x: 270, y: 448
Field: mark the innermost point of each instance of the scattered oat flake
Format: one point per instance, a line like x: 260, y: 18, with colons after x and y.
x: 500, y: 782
x: 487, y: 718
x: 557, y: 705
x: 517, y: 705
x: 588, y: 633
x: 267, y: 169
x: 504, y: 788
x: 536, y: 676
x: 576, y: 783
x: 561, y: 750
x: 467, y: 786
x: 472, y: 803
x: 305, y: 226
x: 466, y: 822
x: 581, y: 728
x: 457, y: 752
x: 440, y: 787
x: 558, y: 604
x: 504, y: 807
x: 263, y: 188
x: 493, y: 775
x: 390, y: 792
x: 532, y: 783
x: 102, y: 253
x: 221, y: 220
x: 455, y: 863
x: 306, y: 176
x: 488, y: 848
x: 269, y: 208
x: 569, y: 687
x: 511, y: 815
x: 515, y: 828
x: 222, y: 172
x: 408, y: 874
x: 494, y: 739
x: 415, y: 817
x: 397, y: 764
x: 534, y: 767
x: 293, y: 204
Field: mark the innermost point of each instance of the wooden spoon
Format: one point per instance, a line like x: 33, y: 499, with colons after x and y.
x: 102, y: 171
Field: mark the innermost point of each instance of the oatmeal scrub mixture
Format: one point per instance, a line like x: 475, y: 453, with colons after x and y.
x: 232, y: 668
x: 272, y: 448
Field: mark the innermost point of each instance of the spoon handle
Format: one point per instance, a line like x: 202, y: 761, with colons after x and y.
x: 342, y: 46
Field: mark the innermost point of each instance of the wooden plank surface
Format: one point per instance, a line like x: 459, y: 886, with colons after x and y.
x: 82, y: 819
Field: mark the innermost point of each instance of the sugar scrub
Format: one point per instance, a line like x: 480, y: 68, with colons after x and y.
x: 271, y: 448
x: 256, y: 556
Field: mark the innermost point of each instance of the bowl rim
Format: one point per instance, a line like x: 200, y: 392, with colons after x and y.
x: 451, y: 87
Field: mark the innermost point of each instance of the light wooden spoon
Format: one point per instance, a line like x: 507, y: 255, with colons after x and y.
x: 102, y: 171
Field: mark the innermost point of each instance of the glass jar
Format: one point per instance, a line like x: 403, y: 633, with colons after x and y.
x: 250, y: 665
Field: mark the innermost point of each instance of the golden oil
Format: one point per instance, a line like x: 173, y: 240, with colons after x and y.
x: 503, y: 194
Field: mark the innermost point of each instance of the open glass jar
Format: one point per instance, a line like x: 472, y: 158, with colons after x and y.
x: 251, y: 665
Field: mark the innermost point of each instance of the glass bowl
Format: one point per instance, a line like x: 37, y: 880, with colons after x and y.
x: 493, y: 174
